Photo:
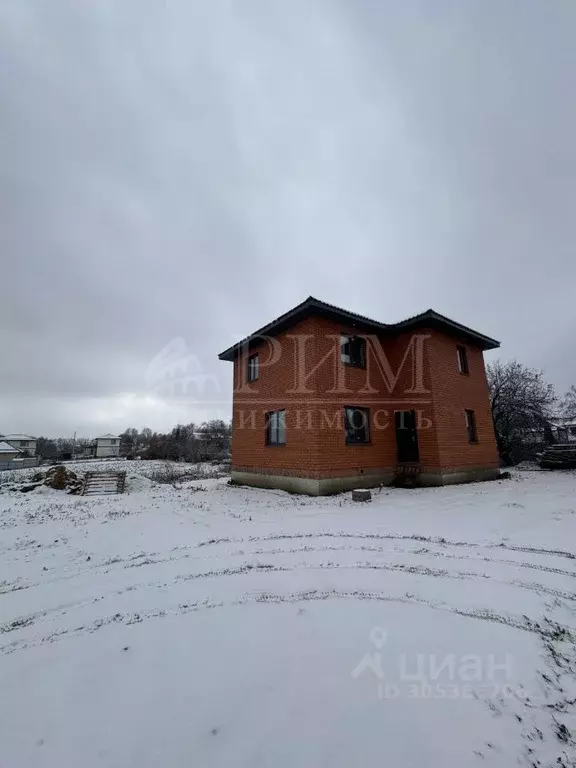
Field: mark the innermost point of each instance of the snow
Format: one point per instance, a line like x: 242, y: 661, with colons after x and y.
x: 7, y: 448
x: 198, y: 623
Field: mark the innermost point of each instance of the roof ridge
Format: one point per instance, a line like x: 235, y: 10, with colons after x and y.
x: 287, y: 319
x: 346, y: 311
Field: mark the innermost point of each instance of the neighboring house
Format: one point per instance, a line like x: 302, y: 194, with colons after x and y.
x: 563, y: 430
x: 558, y: 430
x: 326, y: 400
x: 8, y: 452
x: 106, y: 446
x: 24, y: 443
x: 533, y: 436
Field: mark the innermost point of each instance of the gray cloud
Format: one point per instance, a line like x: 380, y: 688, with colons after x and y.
x: 185, y: 169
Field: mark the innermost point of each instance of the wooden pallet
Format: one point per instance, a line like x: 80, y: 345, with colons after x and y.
x: 103, y: 483
x: 559, y: 456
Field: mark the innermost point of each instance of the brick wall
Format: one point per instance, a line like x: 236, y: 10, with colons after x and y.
x: 314, y: 403
x: 269, y: 393
x: 453, y: 393
x: 368, y: 389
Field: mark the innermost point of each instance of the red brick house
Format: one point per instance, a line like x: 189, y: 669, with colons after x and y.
x: 327, y: 400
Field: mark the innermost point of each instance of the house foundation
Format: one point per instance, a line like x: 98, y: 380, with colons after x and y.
x: 325, y: 486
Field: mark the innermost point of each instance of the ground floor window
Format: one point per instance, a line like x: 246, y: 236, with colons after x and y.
x: 356, y: 424
x: 276, y: 428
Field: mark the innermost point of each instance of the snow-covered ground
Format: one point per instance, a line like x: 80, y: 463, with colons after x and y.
x: 202, y: 624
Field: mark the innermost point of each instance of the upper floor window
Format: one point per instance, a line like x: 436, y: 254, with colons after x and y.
x: 356, y: 424
x: 353, y: 351
x: 276, y: 428
x: 462, y: 359
x: 471, y: 426
x: 253, y: 368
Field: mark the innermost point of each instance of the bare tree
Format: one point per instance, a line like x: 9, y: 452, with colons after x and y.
x: 145, y: 434
x: 568, y: 404
x: 208, y: 441
x: 128, y: 441
x: 215, y: 436
x: 46, y: 447
x: 522, y: 402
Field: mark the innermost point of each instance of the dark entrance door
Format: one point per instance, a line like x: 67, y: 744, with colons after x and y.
x: 406, y: 437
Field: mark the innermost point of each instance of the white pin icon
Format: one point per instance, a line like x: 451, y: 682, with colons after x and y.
x: 379, y: 637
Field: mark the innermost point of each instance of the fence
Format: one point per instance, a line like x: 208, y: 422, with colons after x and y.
x: 19, y: 464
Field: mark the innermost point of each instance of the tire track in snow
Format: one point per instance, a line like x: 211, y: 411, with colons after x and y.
x: 388, y: 536
x: 105, y: 567
x: 152, y: 558
x: 415, y: 552
x: 547, y: 630
x: 22, y: 622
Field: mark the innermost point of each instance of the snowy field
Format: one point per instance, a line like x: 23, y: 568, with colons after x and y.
x: 202, y: 624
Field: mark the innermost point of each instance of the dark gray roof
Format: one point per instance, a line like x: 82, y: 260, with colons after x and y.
x: 312, y: 306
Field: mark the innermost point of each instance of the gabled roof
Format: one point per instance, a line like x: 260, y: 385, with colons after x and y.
x: 17, y: 437
x: 6, y: 448
x: 107, y: 437
x: 315, y: 307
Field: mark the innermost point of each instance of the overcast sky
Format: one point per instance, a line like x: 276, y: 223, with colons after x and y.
x: 176, y: 173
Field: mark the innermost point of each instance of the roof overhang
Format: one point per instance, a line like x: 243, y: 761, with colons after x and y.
x: 6, y: 447
x: 432, y: 319
x: 315, y: 307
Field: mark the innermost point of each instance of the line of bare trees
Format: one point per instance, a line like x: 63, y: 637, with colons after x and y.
x: 208, y: 441
x: 524, y: 404
x: 54, y: 447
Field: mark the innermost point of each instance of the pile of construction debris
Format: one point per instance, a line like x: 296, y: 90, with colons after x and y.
x: 559, y: 456
x: 60, y: 478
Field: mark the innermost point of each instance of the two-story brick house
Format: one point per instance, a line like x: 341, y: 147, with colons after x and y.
x: 326, y: 400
